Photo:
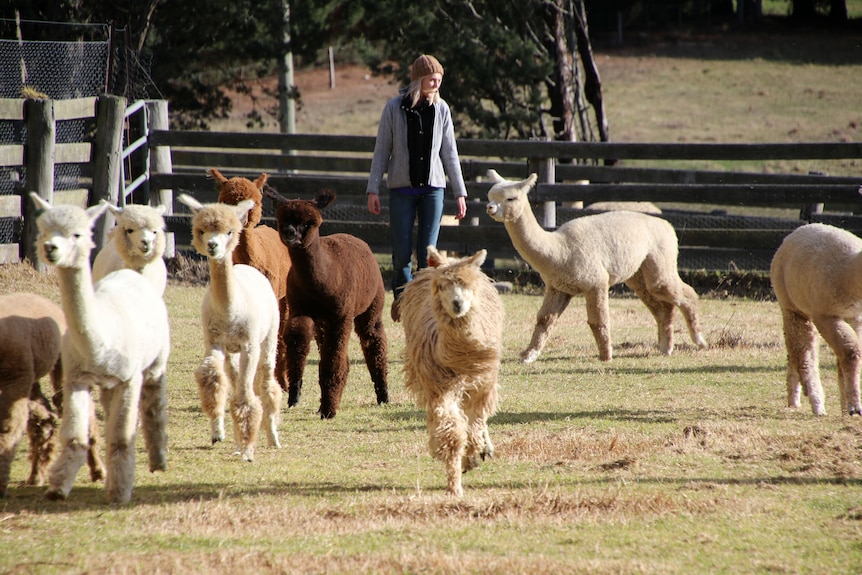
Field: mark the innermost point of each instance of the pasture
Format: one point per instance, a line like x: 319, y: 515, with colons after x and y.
x: 647, y: 464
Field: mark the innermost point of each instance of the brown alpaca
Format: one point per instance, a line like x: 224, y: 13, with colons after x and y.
x: 31, y: 330
x: 334, y: 286
x: 261, y: 248
x: 453, y: 324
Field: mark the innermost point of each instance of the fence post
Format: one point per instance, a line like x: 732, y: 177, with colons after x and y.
x: 41, y: 130
x: 545, y: 169
x: 161, y: 163
x: 107, y: 155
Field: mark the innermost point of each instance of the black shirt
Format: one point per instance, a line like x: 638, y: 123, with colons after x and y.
x: 420, y: 129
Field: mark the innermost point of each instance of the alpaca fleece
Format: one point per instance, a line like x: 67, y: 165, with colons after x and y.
x: 117, y: 339
x: 817, y: 277
x: 259, y: 247
x: 239, y: 314
x: 586, y: 256
x: 334, y: 287
x: 453, y: 321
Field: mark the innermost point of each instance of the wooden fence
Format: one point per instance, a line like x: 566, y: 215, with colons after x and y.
x: 301, y: 165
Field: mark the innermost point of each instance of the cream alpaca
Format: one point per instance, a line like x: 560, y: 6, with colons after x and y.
x: 586, y: 256
x: 118, y: 339
x: 817, y: 277
x: 240, y: 327
x: 453, y: 321
x: 137, y: 242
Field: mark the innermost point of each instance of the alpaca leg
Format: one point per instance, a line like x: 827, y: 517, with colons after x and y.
x: 121, y: 426
x: 246, y: 407
x: 687, y: 304
x: 800, y: 338
x: 598, y: 318
x: 74, y: 440
x: 447, y: 428
x: 281, y: 347
x: 94, y: 458
x: 213, y: 388
x: 334, y: 366
x: 372, y: 337
x: 553, y: 305
x: 13, y: 423
x: 843, y: 341
x: 479, y: 405
x: 662, y: 311
x: 154, y: 418
x: 41, y: 426
x: 270, y: 394
x: 297, y: 339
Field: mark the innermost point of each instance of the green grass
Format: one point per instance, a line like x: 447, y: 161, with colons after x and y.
x: 647, y: 464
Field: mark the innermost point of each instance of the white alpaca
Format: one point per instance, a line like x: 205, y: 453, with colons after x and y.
x: 817, y: 277
x: 117, y: 339
x: 588, y: 255
x: 240, y: 324
x: 137, y: 242
x: 453, y: 322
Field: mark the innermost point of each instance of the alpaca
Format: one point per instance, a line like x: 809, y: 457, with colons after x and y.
x: 118, y: 338
x: 334, y: 282
x: 453, y: 322
x: 261, y: 248
x: 586, y: 256
x: 817, y: 277
x: 137, y: 242
x: 31, y: 330
x: 240, y: 326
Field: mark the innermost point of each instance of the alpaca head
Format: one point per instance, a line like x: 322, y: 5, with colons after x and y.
x: 455, y: 281
x: 216, y: 227
x: 299, y: 220
x: 65, y: 237
x: 234, y: 190
x: 507, y: 200
x: 140, y: 232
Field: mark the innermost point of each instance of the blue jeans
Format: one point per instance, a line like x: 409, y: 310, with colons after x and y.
x: 403, y: 211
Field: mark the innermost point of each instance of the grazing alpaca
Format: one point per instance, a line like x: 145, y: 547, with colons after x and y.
x: 31, y: 330
x: 334, y: 284
x: 261, y: 248
x: 588, y: 255
x: 118, y: 339
x: 137, y: 243
x: 240, y: 324
x: 453, y: 323
x: 817, y: 277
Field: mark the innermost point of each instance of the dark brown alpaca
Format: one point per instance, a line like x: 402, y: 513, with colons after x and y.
x: 334, y: 286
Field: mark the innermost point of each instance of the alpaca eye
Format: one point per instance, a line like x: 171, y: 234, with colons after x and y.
x: 129, y: 232
x: 76, y: 236
x: 511, y: 199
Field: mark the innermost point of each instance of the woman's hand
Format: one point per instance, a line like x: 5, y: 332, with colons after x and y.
x: 462, y: 208
x: 374, y: 204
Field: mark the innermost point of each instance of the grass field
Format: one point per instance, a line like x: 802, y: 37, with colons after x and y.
x: 647, y: 464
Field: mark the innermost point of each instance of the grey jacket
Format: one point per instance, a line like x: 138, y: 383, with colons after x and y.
x: 392, y: 157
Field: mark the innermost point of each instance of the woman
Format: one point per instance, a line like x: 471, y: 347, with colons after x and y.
x: 416, y: 149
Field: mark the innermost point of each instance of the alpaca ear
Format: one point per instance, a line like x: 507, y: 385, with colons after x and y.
x: 40, y: 202
x: 113, y: 209
x: 189, y: 201
x: 95, y: 212
x: 161, y: 209
x: 324, y: 198
x: 528, y: 183
x: 477, y: 259
x: 261, y: 180
x: 435, y: 258
x: 217, y: 176
x: 495, y: 177
x: 242, y: 210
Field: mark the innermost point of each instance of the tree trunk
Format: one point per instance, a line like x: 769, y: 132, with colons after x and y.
x: 803, y: 10
x: 838, y: 11
x: 592, y: 80
x: 562, y: 88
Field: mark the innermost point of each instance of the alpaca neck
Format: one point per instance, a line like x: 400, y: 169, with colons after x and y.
x: 245, y: 250
x: 222, y: 284
x: 530, y: 240
x: 311, y: 263
x: 78, y: 300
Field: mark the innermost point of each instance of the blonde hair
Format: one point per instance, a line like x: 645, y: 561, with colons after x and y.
x: 414, y: 91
